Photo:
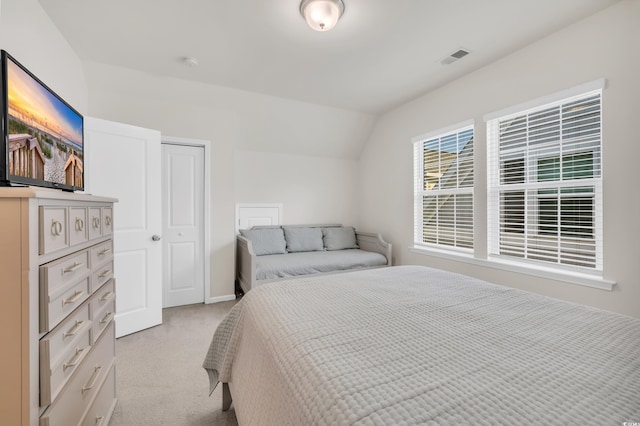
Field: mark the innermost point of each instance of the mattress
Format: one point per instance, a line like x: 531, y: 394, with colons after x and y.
x: 413, y: 345
x: 313, y: 262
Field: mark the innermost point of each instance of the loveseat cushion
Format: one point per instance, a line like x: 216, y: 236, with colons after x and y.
x: 339, y: 238
x: 266, y: 240
x: 303, y: 239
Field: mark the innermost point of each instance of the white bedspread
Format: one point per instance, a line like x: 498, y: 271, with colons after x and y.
x: 414, y: 345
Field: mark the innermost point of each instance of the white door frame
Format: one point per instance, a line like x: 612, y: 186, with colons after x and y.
x: 206, y: 243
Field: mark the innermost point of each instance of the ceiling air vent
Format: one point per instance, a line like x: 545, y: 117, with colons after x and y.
x: 460, y: 53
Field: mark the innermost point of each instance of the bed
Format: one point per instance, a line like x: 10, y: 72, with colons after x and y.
x: 414, y: 345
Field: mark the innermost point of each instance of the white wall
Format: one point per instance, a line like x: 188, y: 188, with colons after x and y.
x: 231, y: 119
x: 247, y: 130
x: 604, y: 45
x: 27, y: 33
x: 312, y: 189
x: 245, y: 127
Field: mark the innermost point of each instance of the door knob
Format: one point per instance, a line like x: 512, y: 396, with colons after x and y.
x: 156, y: 237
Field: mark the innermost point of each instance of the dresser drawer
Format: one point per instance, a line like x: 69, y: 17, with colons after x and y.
x: 83, y: 387
x: 107, y: 221
x: 62, y: 351
x: 102, y: 298
x: 77, y: 225
x: 53, y: 310
x: 101, y: 253
x: 95, y: 222
x: 53, y: 233
x: 59, y: 275
x: 102, y: 319
x: 64, y: 285
x: 101, y: 275
x: 103, y: 309
x: 102, y: 408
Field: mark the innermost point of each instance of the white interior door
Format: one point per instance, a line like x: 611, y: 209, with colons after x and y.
x: 183, y: 224
x: 248, y: 215
x: 123, y: 162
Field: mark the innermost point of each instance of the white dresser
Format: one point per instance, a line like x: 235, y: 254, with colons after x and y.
x: 57, y: 304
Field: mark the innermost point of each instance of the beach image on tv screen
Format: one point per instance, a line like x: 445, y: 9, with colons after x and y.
x: 45, y: 135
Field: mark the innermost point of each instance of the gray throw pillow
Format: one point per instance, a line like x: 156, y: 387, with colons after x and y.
x: 266, y: 241
x: 303, y: 239
x: 340, y: 238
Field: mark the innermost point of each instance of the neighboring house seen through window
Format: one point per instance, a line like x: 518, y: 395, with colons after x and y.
x: 443, y: 188
x: 545, y: 184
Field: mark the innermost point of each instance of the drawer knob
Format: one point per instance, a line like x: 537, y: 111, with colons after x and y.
x: 107, y: 220
x: 104, y: 273
x: 96, y: 222
x: 73, y: 361
x: 92, y: 380
x: 56, y: 228
x: 104, y: 251
x: 79, y: 224
x: 99, y: 420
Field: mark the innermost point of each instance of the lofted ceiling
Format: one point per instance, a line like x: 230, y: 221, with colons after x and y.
x: 381, y: 54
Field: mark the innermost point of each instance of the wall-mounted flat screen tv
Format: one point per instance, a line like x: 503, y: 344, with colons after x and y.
x: 42, y: 135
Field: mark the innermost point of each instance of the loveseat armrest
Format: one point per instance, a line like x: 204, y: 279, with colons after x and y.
x: 370, y: 241
x: 246, y: 264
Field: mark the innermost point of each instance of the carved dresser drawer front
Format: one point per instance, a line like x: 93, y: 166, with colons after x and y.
x: 62, y: 351
x: 83, y: 387
x: 64, y: 285
x: 60, y: 339
x: 95, y: 222
x: 101, y: 253
x: 53, y: 229
x: 58, y: 276
x: 78, y: 231
x: 101, y: 275
x: 107, y: 221
x: 56, y: 309
x: 104, y: 402
x: 103, y: 309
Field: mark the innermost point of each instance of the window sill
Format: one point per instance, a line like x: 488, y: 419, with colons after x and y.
x: 583, y: 279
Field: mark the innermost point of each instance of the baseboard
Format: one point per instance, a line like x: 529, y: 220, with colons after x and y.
x: 219, y: 299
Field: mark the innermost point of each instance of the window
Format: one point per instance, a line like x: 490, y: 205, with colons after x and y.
x: 443, y: 188
x: 545, y: 183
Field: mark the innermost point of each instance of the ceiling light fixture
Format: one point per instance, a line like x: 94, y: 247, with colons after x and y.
x: 321, y: 15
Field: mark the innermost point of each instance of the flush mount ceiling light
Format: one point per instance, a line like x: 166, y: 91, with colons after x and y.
x: 321, y: 15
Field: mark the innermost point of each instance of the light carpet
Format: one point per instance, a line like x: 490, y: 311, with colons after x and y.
x: 159, y: 374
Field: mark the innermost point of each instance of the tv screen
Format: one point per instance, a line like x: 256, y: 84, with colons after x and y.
x: 43, y: 136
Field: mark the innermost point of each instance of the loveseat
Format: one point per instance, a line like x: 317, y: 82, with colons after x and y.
x: 274, y: 253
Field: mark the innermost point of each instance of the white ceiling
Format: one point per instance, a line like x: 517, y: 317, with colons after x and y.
x: 381, y: 54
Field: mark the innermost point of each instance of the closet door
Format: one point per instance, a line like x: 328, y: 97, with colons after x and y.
x: 183, y: 224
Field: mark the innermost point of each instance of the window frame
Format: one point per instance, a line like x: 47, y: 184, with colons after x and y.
x: 479, y: 256
x: 419, y: 191
x: 531, y: 166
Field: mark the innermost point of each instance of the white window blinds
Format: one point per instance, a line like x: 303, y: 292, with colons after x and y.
x: 545, y: 183
x: 443, y: 189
